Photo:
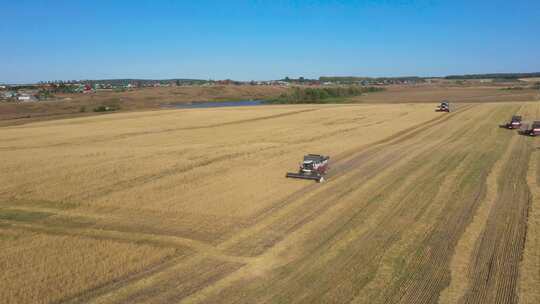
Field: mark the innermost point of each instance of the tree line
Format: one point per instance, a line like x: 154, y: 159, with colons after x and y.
x: 494, y: 76
x: 323, y: 95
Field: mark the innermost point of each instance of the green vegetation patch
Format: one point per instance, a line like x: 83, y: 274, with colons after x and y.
x: 300, y: 95
x: 503, y: 76
x: 22, y: 215
x: 69, y: 222
x: 103, y: 108
x: 58, y: 205
x: 109, y: 105
x: 512, y: 89
x: 226, y: 99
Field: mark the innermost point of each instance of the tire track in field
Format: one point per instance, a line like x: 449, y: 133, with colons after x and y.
x: 364, y: 166
x: 151, y: 285
x: 387, y: 222
x: 386, y: 270
x: 462, y: 257
x: 529, y: 272
x: 190, y: 253
x: 500, y: 247
x: 403, y: 211
x: 95, y: 292
x: 388, y: 162
x: 230, y: 280
x: 100, y: 139
x: 460, y: 263
x: 463, y: 252
x: 403, y: 135
x: 122, y: 185
x: 139, y: 283
x: 389, y: 227
x: 180, y: 278
x: 350, y: 160
x: 134, y: 237
x: 123, y: 237
x: 166, y: 270
x: 426, y: 272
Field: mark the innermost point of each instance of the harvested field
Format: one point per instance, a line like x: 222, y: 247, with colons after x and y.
x: 191, y: 206
x: 454, y: 93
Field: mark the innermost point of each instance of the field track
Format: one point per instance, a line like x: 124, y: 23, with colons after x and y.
x: 419, y: 207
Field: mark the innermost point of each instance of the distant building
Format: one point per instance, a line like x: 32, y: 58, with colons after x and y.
x: 87, y: 89
x: 282, y: 83
x: 7, y: 95
x: 26, y: 97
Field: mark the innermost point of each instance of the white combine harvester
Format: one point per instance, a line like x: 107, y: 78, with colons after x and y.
x: 531, y: 129
x: 445, y: 106
x: 514, y: 123
x: 313, y: 167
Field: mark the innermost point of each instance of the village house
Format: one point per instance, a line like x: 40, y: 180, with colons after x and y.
x: 7, y: 95
x: 26, y: 97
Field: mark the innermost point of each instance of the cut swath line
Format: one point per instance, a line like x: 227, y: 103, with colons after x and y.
x: 529, y: 277
x: 354, y: 161
x: 160, y: 240
x: 247, y: 271
x: 461, y: 260
x: 95, y: 140
x: 396, y: 252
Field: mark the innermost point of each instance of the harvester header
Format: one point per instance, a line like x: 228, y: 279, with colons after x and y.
x: 313, y: 167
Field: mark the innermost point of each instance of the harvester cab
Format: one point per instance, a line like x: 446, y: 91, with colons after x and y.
x: 313, y: 167
x: 445, y: 106
x: 515, y: 123
x: 531, y: 129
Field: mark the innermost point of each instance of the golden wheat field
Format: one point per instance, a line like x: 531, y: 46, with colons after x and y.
x: 192, y: 206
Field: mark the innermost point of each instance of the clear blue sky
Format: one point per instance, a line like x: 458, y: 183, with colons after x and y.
x: 48, y: 40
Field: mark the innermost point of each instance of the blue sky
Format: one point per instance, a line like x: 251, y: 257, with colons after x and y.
x: 245, y: 40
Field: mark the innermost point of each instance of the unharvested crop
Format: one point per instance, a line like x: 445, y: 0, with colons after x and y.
x: 42, y: 268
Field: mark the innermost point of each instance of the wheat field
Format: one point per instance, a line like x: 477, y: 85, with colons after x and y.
x: 192, y: 206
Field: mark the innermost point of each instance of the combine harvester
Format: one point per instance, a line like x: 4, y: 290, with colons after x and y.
x: 313, y: 167
x: 445, y: 106
x: 531, y: 129
x: 515, y: 123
